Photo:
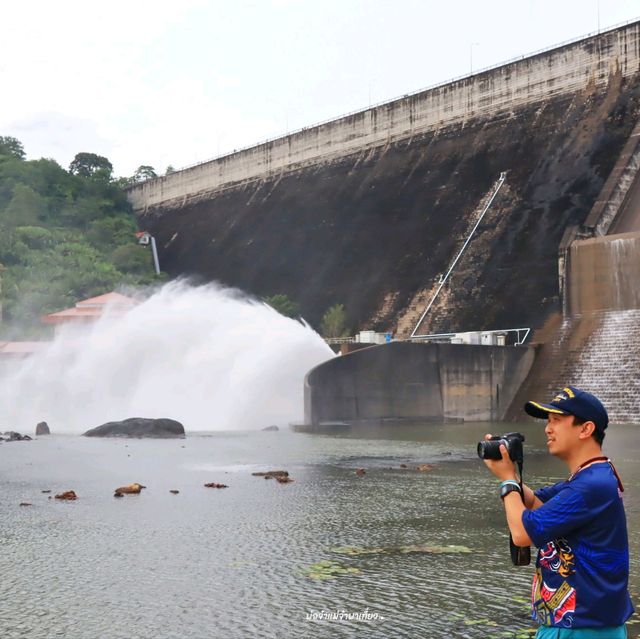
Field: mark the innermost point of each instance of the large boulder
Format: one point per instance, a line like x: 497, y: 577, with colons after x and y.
x: 139, y: 427
x: 42, y: 428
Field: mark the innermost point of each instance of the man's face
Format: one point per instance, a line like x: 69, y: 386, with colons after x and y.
x: 562, y: 435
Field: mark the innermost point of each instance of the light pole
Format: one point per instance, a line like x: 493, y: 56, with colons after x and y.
x: 473, y: 44
x: 145, y: 238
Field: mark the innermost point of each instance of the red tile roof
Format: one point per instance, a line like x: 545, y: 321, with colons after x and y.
x: 91, y: 309
x: 21, y: 348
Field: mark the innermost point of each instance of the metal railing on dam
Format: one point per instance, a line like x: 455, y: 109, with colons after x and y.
x: 484, y: 338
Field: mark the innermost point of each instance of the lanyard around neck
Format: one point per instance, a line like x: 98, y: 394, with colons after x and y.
x: 598, y: 459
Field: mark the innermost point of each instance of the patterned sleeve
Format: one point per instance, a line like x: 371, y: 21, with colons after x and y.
x: 558, y: 516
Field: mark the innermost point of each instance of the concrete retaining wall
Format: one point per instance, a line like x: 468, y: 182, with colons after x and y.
x: 567, y: 69
x: 603, y: 274
x: 404, y: 380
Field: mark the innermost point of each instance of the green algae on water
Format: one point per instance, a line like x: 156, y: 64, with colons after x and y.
x: 328, y: 569
x: 413, y: 548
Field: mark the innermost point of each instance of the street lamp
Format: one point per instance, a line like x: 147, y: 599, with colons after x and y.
x: 473, y: 44
x: 145, y: 238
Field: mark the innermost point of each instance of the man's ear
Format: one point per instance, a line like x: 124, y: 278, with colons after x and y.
x: 587, y: 429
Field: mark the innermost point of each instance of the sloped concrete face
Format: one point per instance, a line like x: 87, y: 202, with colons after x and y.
x: 431, y: 382
x: 385, y: 224
x: 373, y: 221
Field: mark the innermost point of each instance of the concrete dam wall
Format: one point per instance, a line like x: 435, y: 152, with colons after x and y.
x: 604, y: 274
x: 404, y: 380
x: 369, y: 210
x: 596, y: 344
x: 565, y: 70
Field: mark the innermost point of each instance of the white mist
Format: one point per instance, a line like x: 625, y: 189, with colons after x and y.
x: 203, y: 355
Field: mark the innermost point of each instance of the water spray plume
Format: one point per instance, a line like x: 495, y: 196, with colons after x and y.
x: 203, y: 355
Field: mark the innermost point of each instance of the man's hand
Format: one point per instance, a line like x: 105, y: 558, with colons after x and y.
x: 514, y: 507
x: 503, y: 468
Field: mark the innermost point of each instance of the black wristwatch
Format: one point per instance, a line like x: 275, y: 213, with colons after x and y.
x: 508, y: 488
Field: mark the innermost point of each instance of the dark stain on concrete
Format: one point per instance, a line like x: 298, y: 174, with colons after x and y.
x: 388, y: 221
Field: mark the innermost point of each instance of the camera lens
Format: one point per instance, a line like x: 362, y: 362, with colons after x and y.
x: 490, y: 449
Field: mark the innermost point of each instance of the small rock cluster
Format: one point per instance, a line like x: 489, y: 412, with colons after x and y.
x: 13, y: 436
x: 281, y: 476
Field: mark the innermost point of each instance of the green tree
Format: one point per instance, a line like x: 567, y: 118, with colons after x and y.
x: 144, y: 172
x: 109, y: 232
x: 334, y: 322
x: 169, y: 170
x: 123, y: 182
x: 283, y: 305
x: 131, y: 258
x: 11, y: 148
x: 25, y: 209
x: 64, y: 236
x: 91, y: 165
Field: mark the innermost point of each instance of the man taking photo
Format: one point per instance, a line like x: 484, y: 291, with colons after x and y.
x: 579, y: 525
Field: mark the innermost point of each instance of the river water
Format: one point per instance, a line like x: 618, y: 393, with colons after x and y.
x: 243, y: 561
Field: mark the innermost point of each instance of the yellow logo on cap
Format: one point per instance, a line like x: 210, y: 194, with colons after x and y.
x: 563, y: 396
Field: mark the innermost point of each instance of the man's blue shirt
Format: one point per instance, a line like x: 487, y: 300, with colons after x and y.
x: 582, y: 567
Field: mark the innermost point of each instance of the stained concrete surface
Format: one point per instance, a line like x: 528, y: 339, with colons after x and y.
x: 370, y: 230
x: 405, y: 380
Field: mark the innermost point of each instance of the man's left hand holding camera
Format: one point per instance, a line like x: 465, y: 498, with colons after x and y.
x: 504, y: 469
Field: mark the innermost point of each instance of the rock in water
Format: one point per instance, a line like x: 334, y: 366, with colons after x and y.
x: 68, y: 495
x: 131, y: 489
x: 270, y: 474
x: 13, y: 436
x: 272, y: 428
x: 139, y: 427
x: 42, y: 429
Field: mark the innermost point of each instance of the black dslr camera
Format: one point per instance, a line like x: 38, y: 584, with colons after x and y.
x: 490, y: 448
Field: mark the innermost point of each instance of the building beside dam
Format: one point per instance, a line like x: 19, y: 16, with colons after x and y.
x: 507, y: 198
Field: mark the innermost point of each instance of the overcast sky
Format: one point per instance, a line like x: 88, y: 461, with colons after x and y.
x: 176, y: 82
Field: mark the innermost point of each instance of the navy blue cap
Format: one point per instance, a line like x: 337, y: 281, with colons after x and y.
x: 572, y: 401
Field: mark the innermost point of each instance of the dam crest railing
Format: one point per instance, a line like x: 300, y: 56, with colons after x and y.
x: 430, y: 87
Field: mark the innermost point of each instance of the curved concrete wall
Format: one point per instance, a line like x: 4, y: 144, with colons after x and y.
x: 604, y: 273
x: 567, y: 69
x: 404, y: 380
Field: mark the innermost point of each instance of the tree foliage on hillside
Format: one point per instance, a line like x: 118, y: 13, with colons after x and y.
x: 283, y: 305
x: 11, y: 148
x: 91, y: 165
x: 64, y: 235
x: 144, y: 172
x: 334, y: 322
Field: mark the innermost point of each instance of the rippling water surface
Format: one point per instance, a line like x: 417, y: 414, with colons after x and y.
x: 234, y: 562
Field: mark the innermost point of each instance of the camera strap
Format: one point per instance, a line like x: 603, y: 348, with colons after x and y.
x: 520, y: 463
x: 520, y: 555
